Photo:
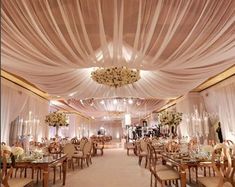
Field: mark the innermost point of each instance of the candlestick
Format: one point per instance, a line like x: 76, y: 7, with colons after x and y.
x: 206, y: 125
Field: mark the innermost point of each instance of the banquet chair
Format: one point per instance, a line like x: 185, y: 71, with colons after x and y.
x: 7, y: 170
x: 55, y: 148
x: 165, y: 174
x: 85, y: 155
x: 228, y: 142
x: 83, y: 141
x: 69, y: 149
x: 142, y: 151
x: 130, y: 146
x: 171, y: 147
x: 153, y: 164
x: 98, y: 146
x: 223, y: 169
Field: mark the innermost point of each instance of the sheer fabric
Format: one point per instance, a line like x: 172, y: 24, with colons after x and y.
x: 16, y: 102
x: 219, y: 100
x: 116, y: 108
x: 177, y: 44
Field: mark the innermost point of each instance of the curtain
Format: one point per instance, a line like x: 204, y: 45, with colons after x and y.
x: 219, y: 101
x: 12, y: 103
x: 24, y: 110
x: 189, y: 127
x: 226, y: 109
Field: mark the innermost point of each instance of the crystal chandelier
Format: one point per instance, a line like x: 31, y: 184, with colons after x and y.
x: 115, y: 76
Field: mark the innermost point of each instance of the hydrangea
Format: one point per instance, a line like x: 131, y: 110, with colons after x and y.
x: 115, y: 76
x: 17, y: 151
x: 56, y: 119
x: 170, y: 118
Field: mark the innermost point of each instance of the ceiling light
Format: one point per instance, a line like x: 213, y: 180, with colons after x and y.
x: 102, y: 102
x: 130, y: 101
x: 72, y: 94
x: 82, y: 102
x: 115, y: 101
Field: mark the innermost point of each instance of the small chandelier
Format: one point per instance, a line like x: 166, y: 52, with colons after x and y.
x: 115, y: 76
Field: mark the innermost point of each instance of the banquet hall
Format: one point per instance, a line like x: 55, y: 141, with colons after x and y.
x: 117, y: 93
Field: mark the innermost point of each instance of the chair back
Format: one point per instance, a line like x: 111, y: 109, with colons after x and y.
x: 83, y: 141
x: 55, y: 148
x: 69, y: 149
x: 228, y: 142
x: 152, y: 155
x: 7, y: 168
x: 221, y: 157
x: 75, y: 141
x: 172, y: 147
x: 143, y: 145
x: 87, y: 148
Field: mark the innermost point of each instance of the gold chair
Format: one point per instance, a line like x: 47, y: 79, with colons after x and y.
x: 69, y: 149
x: 222, y: 164
x: 130, y: 146
x: 142, y: 151
x: 55, y: 148
x: 85, y: 154
x: 154, y: 167
x: 7, y: 170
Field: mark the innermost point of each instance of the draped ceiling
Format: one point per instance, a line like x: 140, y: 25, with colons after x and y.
x: 108, y: 109
x: 176, y: 45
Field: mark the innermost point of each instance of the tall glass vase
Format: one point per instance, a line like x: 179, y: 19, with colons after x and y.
x: 57, y: 130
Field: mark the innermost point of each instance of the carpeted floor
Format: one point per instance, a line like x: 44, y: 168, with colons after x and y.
x: 113, y: 169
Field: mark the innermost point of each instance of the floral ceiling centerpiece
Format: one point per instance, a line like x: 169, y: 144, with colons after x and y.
x: 56, y: 119
x: 115, y: 76
x: 170, y: 118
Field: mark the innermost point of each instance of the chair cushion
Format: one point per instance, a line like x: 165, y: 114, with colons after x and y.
x: 78, y: 155
x: 143, y: 153
x: 209, y: 181
x: 160, y: 168
x: 168, y: 174
x: 19, y: 182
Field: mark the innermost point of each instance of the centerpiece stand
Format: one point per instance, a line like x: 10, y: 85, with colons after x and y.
x: 56, y: 119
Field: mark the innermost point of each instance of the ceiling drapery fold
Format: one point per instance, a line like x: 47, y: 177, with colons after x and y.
x: 176, y: 45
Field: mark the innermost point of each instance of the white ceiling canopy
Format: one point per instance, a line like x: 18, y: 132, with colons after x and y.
x: 116, y: 108
x: 176, y: 45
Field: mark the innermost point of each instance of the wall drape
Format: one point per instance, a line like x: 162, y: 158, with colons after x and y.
x: 16, y: 104
x: 220, y: 100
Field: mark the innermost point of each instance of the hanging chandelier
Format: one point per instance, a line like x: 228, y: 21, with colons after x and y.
x: 115, y: 76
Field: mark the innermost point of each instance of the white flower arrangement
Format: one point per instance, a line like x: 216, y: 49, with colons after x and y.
x: 56, y: 119
x: 115, y: 76
x: 170, y: 118
x: 5, y: 148
x: 207, y: 149
x: 17, y: 151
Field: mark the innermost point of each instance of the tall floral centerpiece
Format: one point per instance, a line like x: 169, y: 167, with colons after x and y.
x: 171, y: 119
x: 56, y: 119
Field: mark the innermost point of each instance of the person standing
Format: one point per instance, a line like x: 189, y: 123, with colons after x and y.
x: 219, y: 132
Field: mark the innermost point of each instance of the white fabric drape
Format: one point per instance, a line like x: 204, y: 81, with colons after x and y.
x: 12, y: 104
x: 18, y: 102
x: 226, y: 103
x: 177, y: 44
x: 105, y: 109
x: 188, y: 106
x: 219, y: 101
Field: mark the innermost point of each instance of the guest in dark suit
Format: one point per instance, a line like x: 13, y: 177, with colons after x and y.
x: 219, y: 132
